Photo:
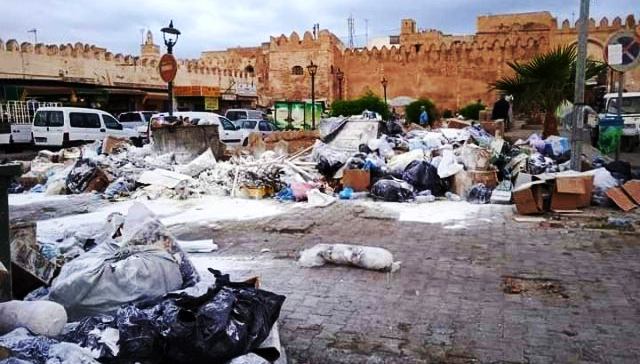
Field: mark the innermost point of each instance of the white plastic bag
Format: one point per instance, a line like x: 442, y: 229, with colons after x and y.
x: 448, y: 165
x: 40, y: 317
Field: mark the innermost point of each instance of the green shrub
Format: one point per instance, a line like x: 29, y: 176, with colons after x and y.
x: 472, y: 110
x: 447, y: 114
x: 414, y: 109
x: 368, y: 101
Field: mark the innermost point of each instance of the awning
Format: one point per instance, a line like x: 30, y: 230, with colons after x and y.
x: 124, y: 91
x: 157, y: 95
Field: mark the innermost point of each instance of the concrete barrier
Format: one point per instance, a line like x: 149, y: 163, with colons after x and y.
x: 187, y: 142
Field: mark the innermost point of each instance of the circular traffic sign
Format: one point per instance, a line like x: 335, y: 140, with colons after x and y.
x: 168, y: 67
x: 628, y: 48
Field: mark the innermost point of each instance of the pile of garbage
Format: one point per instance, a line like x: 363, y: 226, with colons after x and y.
x: 134, y: 296
x: 355, y: 157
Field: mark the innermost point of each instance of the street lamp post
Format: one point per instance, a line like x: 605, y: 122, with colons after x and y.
x: 313, y: 69
x: 340, y: 77
x: 170, y: 36
x: 384, y: 83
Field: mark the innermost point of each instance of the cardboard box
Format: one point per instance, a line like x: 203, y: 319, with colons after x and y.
x: 359, y: 180
x: 572, y: 192
x: 489, y: 178
x: 461, y: 183
x: 529, y: 198
x: 110, y: 143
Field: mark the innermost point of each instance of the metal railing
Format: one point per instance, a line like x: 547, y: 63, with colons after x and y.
x: 22, y: 112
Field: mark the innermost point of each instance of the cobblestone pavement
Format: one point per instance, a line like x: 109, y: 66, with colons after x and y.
x: 487, y: 290
x: 574, y: 292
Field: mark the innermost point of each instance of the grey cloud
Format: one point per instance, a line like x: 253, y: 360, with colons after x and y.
x: 218, y: 24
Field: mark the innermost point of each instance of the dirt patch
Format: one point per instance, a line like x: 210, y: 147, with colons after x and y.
x: 290, y: 227
x: 533, y: 286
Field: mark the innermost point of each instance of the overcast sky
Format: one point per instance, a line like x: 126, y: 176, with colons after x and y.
x: 219, y: 24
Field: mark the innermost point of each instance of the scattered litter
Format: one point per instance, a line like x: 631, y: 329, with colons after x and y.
x: 197, y: 246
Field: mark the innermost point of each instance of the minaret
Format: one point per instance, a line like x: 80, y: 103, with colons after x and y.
x: 149, y: 50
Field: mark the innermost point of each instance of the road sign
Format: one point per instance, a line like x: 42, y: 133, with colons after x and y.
x: 622, y: 52
x: 168, y: 67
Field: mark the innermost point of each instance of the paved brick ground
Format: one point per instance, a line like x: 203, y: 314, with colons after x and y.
x: 446, y: 304
x: 575, y: 299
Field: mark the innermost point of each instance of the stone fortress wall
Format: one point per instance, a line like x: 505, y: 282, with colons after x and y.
x: 452, y: 70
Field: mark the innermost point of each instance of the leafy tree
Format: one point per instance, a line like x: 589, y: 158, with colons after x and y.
x: 414, y: 109
x: 368, y: 101
x: 472, y: 110
x: 545, y: 81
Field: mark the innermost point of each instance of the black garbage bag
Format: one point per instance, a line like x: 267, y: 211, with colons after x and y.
x: 392, y: 190
x: 236, y: 319
x: 200, y: 324
x: 620, y: 170
x: 479, y: 194
x: 363, y: 148
x: 357, y: 161
x: 328, y: 168
x: 424, y: 176
x: 392, y: 128
x: 82, y: 173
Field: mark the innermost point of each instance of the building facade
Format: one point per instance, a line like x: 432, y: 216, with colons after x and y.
x: 451, y: 70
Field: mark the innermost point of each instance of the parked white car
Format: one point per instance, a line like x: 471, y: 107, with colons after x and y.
x: 263, y: 127
x: 630, y: 115
x: 230, y: 134
x: 240, y: 114
x: 62, y: 126
x: 135, y: 119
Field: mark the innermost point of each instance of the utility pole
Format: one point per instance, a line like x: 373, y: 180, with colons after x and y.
x: 366, y: 32
x: 35, y: 34
x: 351, y: 26
x: 577, y: 122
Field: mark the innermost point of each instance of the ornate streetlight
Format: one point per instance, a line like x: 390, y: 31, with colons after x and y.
x: 170, y: 36
x: 384, y: 83
x: 313, y: 69
x: 339, y: 77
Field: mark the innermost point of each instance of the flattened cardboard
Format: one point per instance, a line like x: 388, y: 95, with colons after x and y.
x: 632, y: 188
x: 358, y: 179
x: 617, y: 195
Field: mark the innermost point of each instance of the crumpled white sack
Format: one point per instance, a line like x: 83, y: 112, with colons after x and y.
x: 40, y: 317
x: 366, y: 257
x: 448, y: 165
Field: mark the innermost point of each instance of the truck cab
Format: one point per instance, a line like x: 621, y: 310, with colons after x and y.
x: 630, y: 115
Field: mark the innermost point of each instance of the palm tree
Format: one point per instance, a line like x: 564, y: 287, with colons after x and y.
x: 545, y: 81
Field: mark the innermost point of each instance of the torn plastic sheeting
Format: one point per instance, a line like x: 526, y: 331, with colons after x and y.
x: 366, y: 257
x: 42, y: 350
x: 164, y: 178
x: 96, y: 334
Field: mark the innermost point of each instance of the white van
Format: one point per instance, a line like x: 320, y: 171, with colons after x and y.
x: 230, y: 134
x: 62, y: 126
x: 630, y: 115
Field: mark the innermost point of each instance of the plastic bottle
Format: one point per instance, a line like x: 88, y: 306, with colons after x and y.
x: 452, y: 196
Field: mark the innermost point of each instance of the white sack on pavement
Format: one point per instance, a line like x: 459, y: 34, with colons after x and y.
x: 40, y: 317
x: 366, y: 257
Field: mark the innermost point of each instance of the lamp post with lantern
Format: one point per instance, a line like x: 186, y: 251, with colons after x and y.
x: 313, y: 69
x: 384, y: 83
x: 339, y: 77
x: 168, y: 65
